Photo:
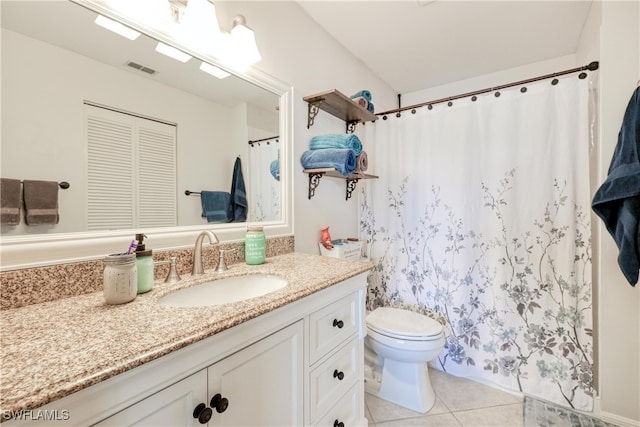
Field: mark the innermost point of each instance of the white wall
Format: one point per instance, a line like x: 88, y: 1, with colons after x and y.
x: 296, y: 50
x: 619, y: 303
x: 43, y: 126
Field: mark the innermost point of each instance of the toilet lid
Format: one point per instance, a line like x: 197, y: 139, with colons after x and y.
x: 402, y: 323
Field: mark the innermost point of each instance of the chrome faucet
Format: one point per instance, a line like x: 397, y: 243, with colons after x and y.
x: 197, y: 250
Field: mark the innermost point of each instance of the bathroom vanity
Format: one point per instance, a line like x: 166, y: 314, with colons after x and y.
x: 290, y: 357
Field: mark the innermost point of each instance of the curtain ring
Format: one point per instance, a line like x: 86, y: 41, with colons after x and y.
x: 430, y: 107
x: 413, y: 111
x: 474, y: 98
x: 497, y: 94
x: 523, y: 89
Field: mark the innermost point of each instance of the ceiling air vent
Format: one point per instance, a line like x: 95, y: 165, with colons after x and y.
x: 141, y: 68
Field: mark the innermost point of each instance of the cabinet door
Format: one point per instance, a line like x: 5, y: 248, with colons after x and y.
x: 263, y: 383
x: 172, y: 406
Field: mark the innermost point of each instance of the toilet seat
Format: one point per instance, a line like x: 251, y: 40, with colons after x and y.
x: 403, y: 324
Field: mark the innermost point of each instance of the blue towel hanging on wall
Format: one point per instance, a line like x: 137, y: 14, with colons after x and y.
x: 239, y: 205
x: 617, y: 201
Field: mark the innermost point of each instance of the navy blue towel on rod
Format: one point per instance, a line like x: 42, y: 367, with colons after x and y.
x: 617, y: 201
x: 239, y: 205
x: 216, y: 206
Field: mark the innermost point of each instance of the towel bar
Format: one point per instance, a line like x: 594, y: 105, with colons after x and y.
x: 64, y: 184
x: 189, y: 193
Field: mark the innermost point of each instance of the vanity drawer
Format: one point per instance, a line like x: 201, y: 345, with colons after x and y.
x: 332, y: 325
x: 333, y: 377
x: 347, y: 411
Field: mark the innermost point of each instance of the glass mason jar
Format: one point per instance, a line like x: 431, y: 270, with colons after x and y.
x: 120, y: 278
x: 254, y: 245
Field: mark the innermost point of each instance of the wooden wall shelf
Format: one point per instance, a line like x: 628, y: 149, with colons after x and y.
x: 351, y: 179
x: 338, y: 105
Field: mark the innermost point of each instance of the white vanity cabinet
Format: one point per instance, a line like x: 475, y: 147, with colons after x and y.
x: 172, y: 406
x: 300, y: 364
x: 258, y: 385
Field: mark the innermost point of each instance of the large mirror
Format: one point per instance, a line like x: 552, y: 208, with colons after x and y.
x: 62, y: 74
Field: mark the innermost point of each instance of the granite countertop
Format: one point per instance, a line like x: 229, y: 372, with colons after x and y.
x: 52, y: 349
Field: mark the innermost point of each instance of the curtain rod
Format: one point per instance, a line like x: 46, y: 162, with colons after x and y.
x: 591, y: 67
x: 264, y: 139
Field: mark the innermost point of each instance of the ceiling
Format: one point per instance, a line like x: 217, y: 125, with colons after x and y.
x: 418, y: 44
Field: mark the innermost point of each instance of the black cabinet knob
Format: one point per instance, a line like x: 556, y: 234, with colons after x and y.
x: 202, y: 413
x: 337, y: 423
x: 219, y: 403
x: 338, y: 323
x: 339, y: 375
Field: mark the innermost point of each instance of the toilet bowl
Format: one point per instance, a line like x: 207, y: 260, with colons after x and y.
x: 398, y: 345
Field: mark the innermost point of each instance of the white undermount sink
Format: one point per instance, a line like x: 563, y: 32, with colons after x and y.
x: 223, y: 291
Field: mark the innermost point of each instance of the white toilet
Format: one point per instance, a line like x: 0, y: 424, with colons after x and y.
x: 398, y: 345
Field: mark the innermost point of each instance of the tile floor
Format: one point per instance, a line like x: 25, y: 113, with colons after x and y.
x: 459, y: 402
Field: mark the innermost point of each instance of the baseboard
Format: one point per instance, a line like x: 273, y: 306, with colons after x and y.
x: 612, y: 418
x: 618, y: 420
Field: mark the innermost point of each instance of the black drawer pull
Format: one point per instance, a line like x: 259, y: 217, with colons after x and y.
x: 219, y: 403
x: 338, y: 374
x: 337, y: 423
x: 202, y: 413
x: 338, y: 323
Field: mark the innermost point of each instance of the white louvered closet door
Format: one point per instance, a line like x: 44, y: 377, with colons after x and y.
x: 131, y: 171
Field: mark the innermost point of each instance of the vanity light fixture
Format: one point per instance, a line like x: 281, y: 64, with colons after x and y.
x: 117, y: 27
x: 213, y: 70
x: 172, y: 52
x: 200, y: 21
x: 243, y: 48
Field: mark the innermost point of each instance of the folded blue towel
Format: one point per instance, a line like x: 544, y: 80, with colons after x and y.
x: 275, y: 169
x: 363, y: 93
x: 617, y: 201
x: 341, y: 140
x: 371, y: 108
x: 343, y: 159
x: 216, y: 206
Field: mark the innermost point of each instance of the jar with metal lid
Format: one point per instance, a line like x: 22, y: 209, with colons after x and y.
x: 255, y: 245
x: 120, y: 278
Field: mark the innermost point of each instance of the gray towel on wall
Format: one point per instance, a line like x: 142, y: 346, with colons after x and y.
x: 10, y: 201
x: 41, y: 202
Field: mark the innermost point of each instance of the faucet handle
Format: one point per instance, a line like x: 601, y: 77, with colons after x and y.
x: 172, y: 276
x: 222, y: 266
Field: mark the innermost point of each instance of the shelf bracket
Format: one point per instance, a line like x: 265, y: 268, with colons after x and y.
x: 351, y: 126
x: 314, y: 181
x: 313, y: 109
x: 351, y: 186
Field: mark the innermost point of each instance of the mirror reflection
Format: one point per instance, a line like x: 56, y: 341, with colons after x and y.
x: 131, y: 130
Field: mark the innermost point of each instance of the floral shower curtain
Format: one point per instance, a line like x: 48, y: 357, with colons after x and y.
x: 481, y: 217
x: 264, y: 181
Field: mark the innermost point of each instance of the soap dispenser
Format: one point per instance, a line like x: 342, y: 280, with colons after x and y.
x: 144, y: 264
